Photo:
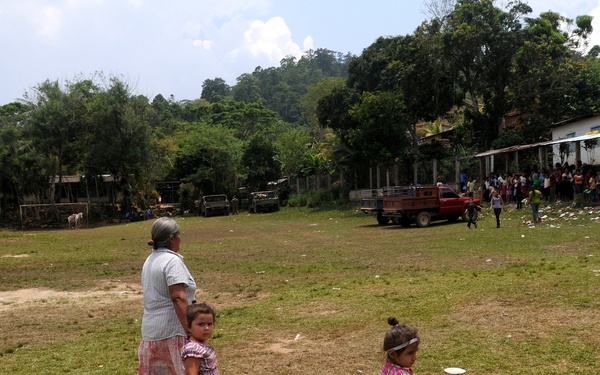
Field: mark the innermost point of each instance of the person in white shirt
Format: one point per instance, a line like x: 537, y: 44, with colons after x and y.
x: 168, y: 289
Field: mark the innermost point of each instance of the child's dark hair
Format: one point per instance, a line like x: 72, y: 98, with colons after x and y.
x: 196, y: 309
x: 399, y: 336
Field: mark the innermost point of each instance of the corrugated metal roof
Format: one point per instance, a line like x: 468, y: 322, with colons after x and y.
x: 73, y: 179
x: 538, y: 144
x: 574, y: 139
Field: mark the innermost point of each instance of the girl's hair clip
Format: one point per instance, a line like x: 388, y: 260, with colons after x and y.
x: 151, y: 243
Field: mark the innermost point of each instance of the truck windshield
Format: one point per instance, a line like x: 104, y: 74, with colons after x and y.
x: 215, y: 199
x: 447, y: 193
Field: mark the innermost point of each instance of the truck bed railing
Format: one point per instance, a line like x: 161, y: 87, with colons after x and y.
x: 400, y: 191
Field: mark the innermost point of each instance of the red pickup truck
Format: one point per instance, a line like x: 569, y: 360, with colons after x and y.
x: 421, y: 204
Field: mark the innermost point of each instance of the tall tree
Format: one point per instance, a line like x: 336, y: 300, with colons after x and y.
x: 550, y: 80
x: 480, y: 41
x: 117, y: 137
x: 291, y: 147
x: 20, y: 164
x: 54, y: 123
x: 384, y: 130
x: 215, y: 90
x: 259, y: 161
x: 246, y: 89
x: 209, y: 158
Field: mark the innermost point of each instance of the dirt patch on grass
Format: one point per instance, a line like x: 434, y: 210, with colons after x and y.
x: 23, y: 297
x: 507, y: 319
x: 108, y: 291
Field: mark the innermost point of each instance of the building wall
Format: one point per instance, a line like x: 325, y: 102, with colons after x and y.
x: 576, y: 129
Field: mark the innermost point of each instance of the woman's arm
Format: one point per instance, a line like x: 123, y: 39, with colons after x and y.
x: 180, y: 303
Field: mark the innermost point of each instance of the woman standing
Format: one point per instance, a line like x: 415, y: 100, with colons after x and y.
x: 497, y: 205
x: 168, y: 288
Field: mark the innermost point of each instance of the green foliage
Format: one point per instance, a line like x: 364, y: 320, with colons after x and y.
x: 315, y: 93
x: 282, y: 89
x: 479, y: 42
x: 310, y: 199
x: 291, y: 148
x: 245, y: 118
x: 298, y: 199
x: 434, y: 150
x: 186, y: 197
x: 507, y: 139
x: 383, y: 130
x: 259, y: 163
x: 209, y: 158
x: 215, y: 90
x: 246, y: 89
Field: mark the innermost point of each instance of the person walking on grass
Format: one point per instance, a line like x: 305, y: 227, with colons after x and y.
x: 535, y: 198
x: 234, y: 205
x: 199, y: 358
x: 400, y: 345
x: 497, y: 204
x: 472, y: 213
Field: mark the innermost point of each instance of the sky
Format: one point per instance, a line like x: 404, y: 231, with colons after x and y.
x: 171, y: 47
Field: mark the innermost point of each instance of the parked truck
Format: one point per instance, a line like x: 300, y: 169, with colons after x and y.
x: 214, y: 204
x: 261, y: 201
x: 405, y: 205
x: 371, y: 202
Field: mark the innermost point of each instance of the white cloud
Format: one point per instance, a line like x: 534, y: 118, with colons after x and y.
x: 206, y: 44
x: 308, y: 43
x: 560, y: 6
x: 272, y: 39
x: 595, y: 37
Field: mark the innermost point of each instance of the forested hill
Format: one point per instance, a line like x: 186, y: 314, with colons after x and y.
x: 281, y: 89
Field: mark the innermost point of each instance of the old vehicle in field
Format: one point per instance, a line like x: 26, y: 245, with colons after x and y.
x: 261, y: 201
x: 217, y: 204
x: 416, y: 204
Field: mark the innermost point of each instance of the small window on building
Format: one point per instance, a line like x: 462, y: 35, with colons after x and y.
x: 572, y: 144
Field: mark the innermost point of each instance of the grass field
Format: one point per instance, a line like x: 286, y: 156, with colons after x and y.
x: 305, y: 291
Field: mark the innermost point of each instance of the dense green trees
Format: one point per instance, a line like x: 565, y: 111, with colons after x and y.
x: 96, y: 126
x: 473, y: 56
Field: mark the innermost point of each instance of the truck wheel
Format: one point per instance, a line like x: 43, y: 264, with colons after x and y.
x: 276, y: 207
x: 423, y: 219
x: 381, y: 220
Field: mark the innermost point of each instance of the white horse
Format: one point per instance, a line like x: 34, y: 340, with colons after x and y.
x: 75, y: 220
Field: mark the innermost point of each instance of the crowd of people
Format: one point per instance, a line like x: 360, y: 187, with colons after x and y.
x: 535, y: 186
x: 560, y: 183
